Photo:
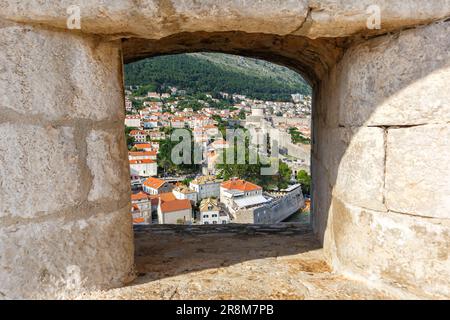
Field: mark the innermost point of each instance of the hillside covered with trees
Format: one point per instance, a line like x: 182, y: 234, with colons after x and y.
x: 216, y: 72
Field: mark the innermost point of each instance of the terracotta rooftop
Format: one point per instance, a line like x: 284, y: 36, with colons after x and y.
x: 175, y: 205
x: 136, y: 132
x: 141, y: 146
x: 142, y: 161
x: 142, y: 153
x: 138, y: 220
x: 139, y: 196
x: 165, y: 197
x: 154, y: 183
x: 242, y: 185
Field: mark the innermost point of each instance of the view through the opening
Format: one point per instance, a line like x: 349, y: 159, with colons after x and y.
x: 217, y: 139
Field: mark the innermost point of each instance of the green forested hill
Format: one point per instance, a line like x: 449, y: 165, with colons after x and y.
x: 216, y: 72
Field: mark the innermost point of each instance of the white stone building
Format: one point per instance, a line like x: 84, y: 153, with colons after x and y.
x: 141, y: 209
x: 175, y: 212
x: 156, y: 186
x: 178, y: 122
x: 206, y: 187
x: 143, y: 168
x: 184, y: 192
x: 211, y: 213
x: 142, y: 155
x: 133, y: 121
x: 237, y: 194
x: 128, y: 105
x: 139, y: 136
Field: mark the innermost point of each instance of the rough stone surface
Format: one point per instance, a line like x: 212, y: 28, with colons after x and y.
x: 39, y: 182
x: 107, y: 160
x: 57, y: 75
x: 360, y: 171
x: 380, y: 141
x: 354, y: 161
x: 404, y: 252
x: 158, y: 18
x: 234, y: 262
x: 418, y: 171
x: 55, y: 87
x: 337, y: 18
x: 311, y: 58
x: 397, y: 80
x: 61, y: 258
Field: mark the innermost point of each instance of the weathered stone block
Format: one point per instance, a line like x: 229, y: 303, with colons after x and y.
x: 418, y: 170
x: 58, y: 75
x: 154, y: 18
x: 61, y: 258
x: 39, y: 170
x: 334, y: 18
x: 405, y: 252
x: 354, y: 159
x: 398, y: 81
x: 108, y: 162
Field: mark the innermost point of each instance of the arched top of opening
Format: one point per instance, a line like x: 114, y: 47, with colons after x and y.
x: 311, y: 58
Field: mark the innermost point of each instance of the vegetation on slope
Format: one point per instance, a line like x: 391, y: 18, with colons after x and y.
x: 216, y: 72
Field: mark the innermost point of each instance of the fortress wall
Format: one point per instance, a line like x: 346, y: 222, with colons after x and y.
x: 380, y: 162
x: 64, y: 205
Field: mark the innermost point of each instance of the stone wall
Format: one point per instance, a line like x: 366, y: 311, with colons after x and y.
x: 279, y: 209
x: 380, y: 161
x: 380, y: 131
x: 64, y: 202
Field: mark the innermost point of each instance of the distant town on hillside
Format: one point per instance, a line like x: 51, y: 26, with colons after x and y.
x: 208, y: 95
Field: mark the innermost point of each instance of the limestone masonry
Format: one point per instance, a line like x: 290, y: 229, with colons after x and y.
x: 381, y: 132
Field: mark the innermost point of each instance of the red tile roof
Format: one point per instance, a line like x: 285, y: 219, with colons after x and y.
x: 175, y: 205
x: 142, y: 161
x: 242, y: 185
x: 154, y: 183
x: 138, y: 220
x: 139, y: 196
x: 142, y: 153
x: 141, y: 146
x: 136, y: 132
x: 165, y: 197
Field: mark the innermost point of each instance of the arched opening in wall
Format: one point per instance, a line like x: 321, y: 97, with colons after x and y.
x: 185, y: 245
x: 216, y: 139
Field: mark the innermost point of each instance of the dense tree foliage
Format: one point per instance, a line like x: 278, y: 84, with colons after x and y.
x: 252, y: 171
x: 298, y: 137
x: 165, y: 163
x: 198, y: 75
x: 305, y: 180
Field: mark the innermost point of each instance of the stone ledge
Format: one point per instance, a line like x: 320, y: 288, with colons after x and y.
x: 281, y: 261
